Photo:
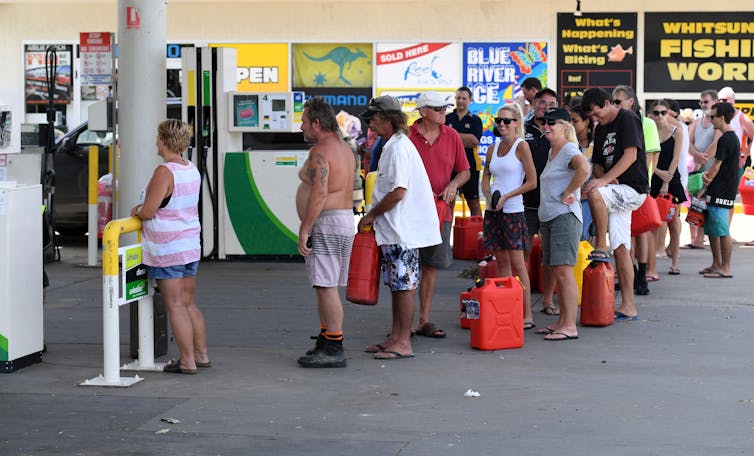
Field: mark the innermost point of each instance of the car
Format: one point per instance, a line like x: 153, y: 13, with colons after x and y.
x: 71, y: 165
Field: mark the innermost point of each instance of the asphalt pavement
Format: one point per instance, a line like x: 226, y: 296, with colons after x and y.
x: 676, y: 382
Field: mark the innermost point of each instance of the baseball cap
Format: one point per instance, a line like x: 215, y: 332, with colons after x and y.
x: 557, y: 114
x: 433, y: 100
x: 726, y: 93
x: 380, y: 104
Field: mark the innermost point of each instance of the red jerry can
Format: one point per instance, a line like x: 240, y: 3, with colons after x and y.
x: 364, y: 269
x: 535, y: 263
x: 746, y: 190
x: 481, y: 252
x: 487, y: 268
x: 465, y: 234
x: 598, y: 295
x: 646, y: 217
x: 464, y: 301
x: 496, y: 311
x: 665, y: 207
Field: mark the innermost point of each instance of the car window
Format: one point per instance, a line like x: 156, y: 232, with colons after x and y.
x: 91, y: 137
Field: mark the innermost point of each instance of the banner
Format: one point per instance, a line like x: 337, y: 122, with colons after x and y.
x: 96, y: 63
x: 404, y: 66
x: 332, y: 65
x: 596, y: 50
x: 36, y: 76
x: 352, y: 101
x: 261, y: 67
x: 493, y: 72
x: 692, y: 52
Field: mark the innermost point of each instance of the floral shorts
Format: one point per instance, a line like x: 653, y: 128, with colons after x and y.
x: 400, y: 266
x: 505, y: 231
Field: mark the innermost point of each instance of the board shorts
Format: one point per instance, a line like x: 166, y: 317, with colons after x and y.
x: 332, y: 241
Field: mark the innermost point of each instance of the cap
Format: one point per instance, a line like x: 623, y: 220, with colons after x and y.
x: 726, y: 93
x: 380, y: 104
x: 557, y: 114
x: 433, y: 100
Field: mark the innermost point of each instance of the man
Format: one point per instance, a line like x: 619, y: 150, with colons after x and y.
x: 619, y: 185
x: 721, y: 181
x: 442, y: 152
x: 529, y: 88
x: 646, y: 263
x: 702, y: 146
x: 540, y: 150
x: 469, y: 128
x: 324, y: 202
x: 403, y: 216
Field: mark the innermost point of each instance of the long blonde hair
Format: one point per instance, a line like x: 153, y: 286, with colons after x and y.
x: 514, y: 109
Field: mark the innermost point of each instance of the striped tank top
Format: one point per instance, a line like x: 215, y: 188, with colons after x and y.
x: 171, y: 238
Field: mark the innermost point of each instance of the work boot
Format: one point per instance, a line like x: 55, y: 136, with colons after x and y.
x: 330, y: 354
x: 640, y: 285
x: 320, y: 340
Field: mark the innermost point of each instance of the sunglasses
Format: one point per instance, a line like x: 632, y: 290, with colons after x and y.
x: 505, y: 120
x: 547, y: 121
x: 436, y: 108
x: 617, y: 102
x: 714, y: 116
x: 659, y: 113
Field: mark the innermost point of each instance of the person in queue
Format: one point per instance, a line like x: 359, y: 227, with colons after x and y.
x: 324, y: 201
x: 509, y: 173
x: 171, y: 245
x: 442, y: 153
x: 560, y: 219
x: 618, y: 186
x: 584, y: 128
x: 469, y: 128
x: 404, y: 219
x: 666, y: 180
x: 625, y: 97
x: 721, y: 181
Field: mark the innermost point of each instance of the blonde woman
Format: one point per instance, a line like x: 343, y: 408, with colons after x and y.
x: 171, y: 243
x: 509, y: 173
x: 560, y: 218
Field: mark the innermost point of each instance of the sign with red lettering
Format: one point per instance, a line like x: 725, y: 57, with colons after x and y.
x: 418, y: 65
x: 96, y: 59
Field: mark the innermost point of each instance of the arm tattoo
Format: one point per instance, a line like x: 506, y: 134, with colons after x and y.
x: 310, y: 174
x: 323, y: 177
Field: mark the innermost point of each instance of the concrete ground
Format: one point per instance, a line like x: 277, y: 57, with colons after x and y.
x: 677, y: 382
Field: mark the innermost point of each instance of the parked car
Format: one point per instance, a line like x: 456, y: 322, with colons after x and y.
x: 71, y: 164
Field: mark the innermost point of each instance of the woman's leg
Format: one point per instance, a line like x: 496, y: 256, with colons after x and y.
x: 518, y: 268
x: 198, y: 325
x: 173, y: 291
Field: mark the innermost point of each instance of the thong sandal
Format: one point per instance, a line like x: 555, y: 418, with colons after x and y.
x: 174, y: 367
x: 551, y: 310
x: 429, y: 329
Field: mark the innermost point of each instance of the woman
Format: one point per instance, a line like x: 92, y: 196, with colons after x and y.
x: 560, y: 218
x: 504, y: 223
x: 666, y: 180
x: 171, y: 243
x: 584, y: 128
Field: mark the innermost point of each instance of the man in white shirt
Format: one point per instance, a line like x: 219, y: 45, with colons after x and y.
x: 404, y: 219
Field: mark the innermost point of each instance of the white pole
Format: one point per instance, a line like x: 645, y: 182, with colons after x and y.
x: 146, y: 333
x: 92, y: 201
x: 110, y: 330
x: 92, y: 242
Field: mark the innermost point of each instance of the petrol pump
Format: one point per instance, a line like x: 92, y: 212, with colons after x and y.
x: 249, y: 148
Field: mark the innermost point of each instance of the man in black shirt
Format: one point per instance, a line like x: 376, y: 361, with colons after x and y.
x: 619, y: 185
x: 469, y: 127
x: 721, y: 181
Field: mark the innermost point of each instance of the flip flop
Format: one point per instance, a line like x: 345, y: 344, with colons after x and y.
x: 174, y: 367
x: 705, y: 271
x: 376, y: 348
x: 392, y: 355
x: 717, y: 275
x: 598, y: 255
x: 620, y: 316
x: 551, y: 310
x: 674, y: 271
x: 557, y: 336
x: 429, y: 329
x: 206, y: 365
x: 544, y: 331
x: 529, y: 325
x: 692, y: 246
x: 651, y: 278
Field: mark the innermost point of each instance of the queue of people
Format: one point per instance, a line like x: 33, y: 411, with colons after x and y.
x: 565, y: 175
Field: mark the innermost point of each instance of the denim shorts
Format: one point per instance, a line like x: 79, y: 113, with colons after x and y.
x: 173, y: 272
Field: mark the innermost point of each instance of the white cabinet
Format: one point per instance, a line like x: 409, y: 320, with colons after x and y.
x: 21, y: 322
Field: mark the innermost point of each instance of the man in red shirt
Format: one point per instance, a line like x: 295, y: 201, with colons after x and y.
x: 442, y: 152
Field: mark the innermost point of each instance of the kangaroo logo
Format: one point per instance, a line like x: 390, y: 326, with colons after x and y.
x: 340, y: 56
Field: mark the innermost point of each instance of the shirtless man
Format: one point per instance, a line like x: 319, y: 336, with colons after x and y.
x: 324, y: 201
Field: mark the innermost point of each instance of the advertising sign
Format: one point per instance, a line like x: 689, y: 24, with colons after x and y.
x: 596, y: 50
x: 261, y: 67
x: 96, y: 64
x: 418, y: 66
x: 36, y: 76
x: 493, y: 72
x: 695, y: 51
x: 133, y: 274
x: 332, y: 65
x: 351, y: 101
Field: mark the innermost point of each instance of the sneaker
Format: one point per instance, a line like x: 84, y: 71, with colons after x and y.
x: 320, y: 340
x: 329, y: 355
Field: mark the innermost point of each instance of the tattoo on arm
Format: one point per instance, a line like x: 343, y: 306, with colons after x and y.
x: 323, y: 176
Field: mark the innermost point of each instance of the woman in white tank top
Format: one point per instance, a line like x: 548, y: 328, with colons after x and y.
x: 509, y: 173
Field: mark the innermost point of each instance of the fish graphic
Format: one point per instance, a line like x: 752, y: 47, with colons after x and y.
x: 617, y: 53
